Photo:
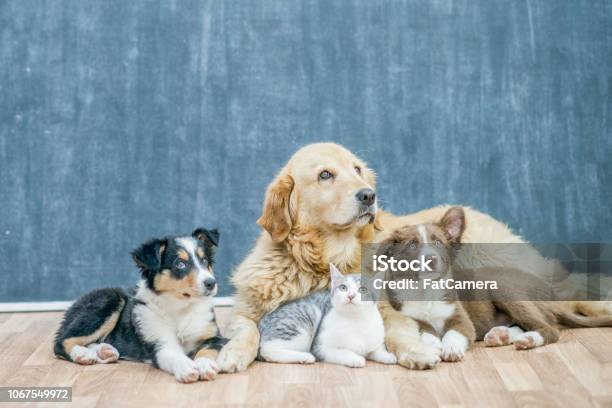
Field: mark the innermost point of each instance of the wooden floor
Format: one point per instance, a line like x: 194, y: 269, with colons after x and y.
x: 575, y: 372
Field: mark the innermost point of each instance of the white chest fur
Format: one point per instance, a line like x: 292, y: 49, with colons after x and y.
x: 167, y: 320
x: 433, y: 312
x: 361, y: 332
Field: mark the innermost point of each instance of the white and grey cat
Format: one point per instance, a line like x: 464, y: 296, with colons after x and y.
x: 335, y: 327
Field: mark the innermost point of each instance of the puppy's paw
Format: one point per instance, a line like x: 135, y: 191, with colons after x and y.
x: 207, y: 368
x: 497, y: 336
x: 432, y: 341
x: 186, y: 370
x: 419, y: 358
x: 233, y: 358
x: 454, y: 346
x: 105, y: 353
x: 528, y: 340
x: 452, y: 352
x: 83, y: 355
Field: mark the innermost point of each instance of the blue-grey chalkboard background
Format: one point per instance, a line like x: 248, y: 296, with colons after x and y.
x: 122, y: 120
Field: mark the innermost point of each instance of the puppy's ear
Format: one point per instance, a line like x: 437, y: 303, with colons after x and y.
x: 276, y: 218
x: 149, y: 255
x: 208, y: 237
x: 453, y: 224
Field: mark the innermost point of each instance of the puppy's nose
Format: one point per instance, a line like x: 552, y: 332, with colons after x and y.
x: 433, y: 264
x: 210, y: 283
x: 366, y: 196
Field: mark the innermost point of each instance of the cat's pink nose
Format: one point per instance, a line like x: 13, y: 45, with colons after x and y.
x: 350, y: 297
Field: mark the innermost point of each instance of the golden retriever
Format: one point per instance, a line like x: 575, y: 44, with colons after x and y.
x: 319, y: 209
x: 313, y: 214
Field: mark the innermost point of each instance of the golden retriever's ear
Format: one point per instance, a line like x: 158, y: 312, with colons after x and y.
x: 275, y: 217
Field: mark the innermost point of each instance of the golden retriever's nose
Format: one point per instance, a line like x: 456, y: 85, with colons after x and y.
x: 366, y: 196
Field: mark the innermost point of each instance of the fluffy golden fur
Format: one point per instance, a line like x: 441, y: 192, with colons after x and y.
x: 309, y: 224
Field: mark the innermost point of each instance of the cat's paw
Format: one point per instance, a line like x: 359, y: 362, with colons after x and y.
x: 386, y: 358
x: 207, y: 368
x: 355, y: 361
x: 308, y: 359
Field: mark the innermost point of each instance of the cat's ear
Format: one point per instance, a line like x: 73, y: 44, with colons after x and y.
x: 335, y: 274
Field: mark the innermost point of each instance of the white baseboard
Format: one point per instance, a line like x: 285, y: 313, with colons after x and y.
x: 15, y: 307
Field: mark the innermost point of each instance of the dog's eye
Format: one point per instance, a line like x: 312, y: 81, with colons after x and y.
x: 325, y: 175
x: 342, y: 287
x: 181, y: 265
x: 412, y: 244
x: 438, y: 243
x: 358, y: 170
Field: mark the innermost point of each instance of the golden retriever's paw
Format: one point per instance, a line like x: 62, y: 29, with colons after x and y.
x: 528, y: 340
x: 497, y: 336
x: 233, y: 359
x: 207, y: 368
x: 421, y: 358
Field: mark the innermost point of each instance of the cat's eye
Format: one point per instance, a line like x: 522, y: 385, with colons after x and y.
x: 181, y: 265
x: 412, y: 244
x: 342, y: 287
x: 358, y: 170
x: 438, y: 243
x: 363, y: 289
x: 325, y: 175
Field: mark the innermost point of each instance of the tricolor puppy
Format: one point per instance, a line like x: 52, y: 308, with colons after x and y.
x: 444, y: 323
x: 167, y: 319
